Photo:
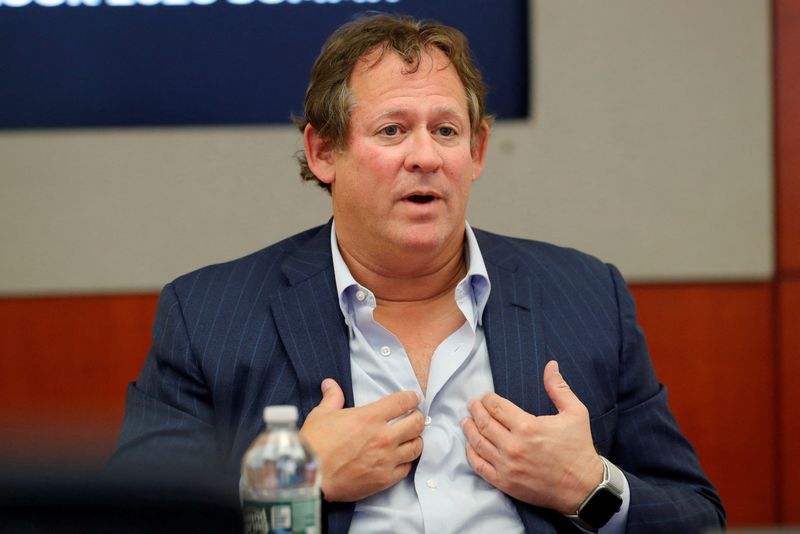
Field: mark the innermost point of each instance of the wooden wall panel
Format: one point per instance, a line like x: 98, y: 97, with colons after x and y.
x: 789, y: 377
x: 786, y: 23
x: 787, y: 131
x: 64, y: 367
x: 712, y: 345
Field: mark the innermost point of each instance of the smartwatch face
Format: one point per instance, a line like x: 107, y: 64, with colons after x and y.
x: 601, y: 507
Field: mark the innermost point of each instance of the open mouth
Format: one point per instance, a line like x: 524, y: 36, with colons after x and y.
x: 421, y: 199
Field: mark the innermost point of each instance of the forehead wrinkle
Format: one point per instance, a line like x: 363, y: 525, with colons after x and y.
x: 441, y: 109
x: 393, y: 112
x: 369, y: 61
x: 445, y: 109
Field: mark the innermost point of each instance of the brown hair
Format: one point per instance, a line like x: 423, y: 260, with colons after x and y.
x: 328, y: 101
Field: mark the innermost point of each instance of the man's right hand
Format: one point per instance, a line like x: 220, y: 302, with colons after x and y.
x: 361, y: 450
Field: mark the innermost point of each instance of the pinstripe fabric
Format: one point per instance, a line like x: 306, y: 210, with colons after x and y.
x: 266, y: 329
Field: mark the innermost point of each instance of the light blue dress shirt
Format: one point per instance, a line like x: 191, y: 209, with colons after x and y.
x: 443, y: 493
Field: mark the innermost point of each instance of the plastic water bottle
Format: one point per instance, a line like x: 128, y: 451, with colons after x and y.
x: 280, y: 479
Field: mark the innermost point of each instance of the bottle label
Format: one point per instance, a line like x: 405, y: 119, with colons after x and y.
x: 298, y: 516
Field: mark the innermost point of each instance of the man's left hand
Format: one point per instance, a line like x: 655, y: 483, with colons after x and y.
x: 548, y: 461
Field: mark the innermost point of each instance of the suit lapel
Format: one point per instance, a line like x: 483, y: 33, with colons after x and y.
x: 514, y: 337
x: 312, y: 330
x: 310, y: 323
x: 513, y: 326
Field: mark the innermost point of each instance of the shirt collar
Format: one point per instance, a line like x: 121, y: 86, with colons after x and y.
x: 344, y: 278
x: 476, y: 282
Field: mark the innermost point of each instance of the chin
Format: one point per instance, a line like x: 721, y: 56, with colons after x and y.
x: 424, y: 240
x: 421, y: 245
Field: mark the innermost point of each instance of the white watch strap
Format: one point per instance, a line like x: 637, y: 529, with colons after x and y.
x: 614, y: 477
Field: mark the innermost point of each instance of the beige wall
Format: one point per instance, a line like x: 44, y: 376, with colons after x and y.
x: 649, y: 146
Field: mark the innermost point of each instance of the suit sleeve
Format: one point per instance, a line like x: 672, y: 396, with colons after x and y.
x: 168, y: 412
x: 669, y: 491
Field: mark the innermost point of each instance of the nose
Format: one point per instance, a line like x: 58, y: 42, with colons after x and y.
x: 423, y: 153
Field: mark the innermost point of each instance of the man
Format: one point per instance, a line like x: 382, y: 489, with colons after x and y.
x: 428, y: 359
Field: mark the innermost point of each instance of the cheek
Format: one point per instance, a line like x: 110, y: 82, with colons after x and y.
x: 376, y: 166
x: 461, y: 173
x: 365, y: 181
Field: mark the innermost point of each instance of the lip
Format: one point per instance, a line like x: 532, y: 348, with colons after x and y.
x: 434, y: 195
x: 422, y: 211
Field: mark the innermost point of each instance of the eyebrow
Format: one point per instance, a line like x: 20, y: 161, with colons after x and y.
x: 443, y: 110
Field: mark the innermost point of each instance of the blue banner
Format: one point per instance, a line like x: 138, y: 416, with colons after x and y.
x: 89, y: 63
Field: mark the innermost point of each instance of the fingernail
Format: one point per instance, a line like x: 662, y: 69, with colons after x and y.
x: 464, y: 421
x: 326, y: 385
x: 556, y: 365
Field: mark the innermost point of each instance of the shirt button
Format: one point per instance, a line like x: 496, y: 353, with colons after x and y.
x: 427, y: 420
x: 385, y: 351
x: 432, y: 484
x: 361, y: 295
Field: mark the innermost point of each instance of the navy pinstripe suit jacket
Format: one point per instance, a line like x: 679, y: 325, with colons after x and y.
x: 266, y: 329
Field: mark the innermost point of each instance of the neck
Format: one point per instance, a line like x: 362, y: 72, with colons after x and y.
x: 419, y: 280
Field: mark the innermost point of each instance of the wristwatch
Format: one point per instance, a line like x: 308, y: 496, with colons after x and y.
x: 603, y: 502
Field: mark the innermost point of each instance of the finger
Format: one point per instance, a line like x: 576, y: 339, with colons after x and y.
x: 332, y: 395
x: 401, y: 471
x: 409, y: 451
x: 479, y: 444
x: 558, y: 390
x: 407, y: 428
x: 394, y: 405
x: 489, y: 427
x: 482, y: 468
x: 503, y: 410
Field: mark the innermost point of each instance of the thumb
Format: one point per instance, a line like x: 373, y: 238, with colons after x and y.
x: 332, y: 395
x: 557, y: 388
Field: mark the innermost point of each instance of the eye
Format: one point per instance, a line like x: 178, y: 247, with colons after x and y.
x: 446, y: 131
x: 390, y: 130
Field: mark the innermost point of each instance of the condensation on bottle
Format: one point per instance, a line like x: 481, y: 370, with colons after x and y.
x: 280, y: 484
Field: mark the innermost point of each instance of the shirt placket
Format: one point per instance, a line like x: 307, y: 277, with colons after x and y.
x: 430, y: 482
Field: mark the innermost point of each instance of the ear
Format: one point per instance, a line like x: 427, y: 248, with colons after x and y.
x: 319, y: 155
x: 479, y: 150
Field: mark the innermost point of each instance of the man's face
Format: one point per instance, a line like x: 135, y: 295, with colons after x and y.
x: 403, y: 181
